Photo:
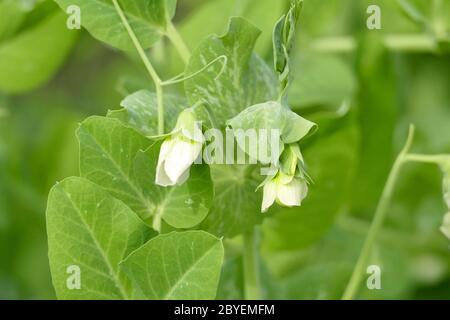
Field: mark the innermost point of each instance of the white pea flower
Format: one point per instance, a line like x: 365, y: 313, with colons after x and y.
x: 286, y: 190
x: 445, y: 228
x: 179, y: 151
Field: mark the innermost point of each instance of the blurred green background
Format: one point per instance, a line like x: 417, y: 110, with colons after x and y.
x: 363, y: 87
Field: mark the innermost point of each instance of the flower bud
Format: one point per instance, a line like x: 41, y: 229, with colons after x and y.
x: 286, y: 190
x: 179, y: 151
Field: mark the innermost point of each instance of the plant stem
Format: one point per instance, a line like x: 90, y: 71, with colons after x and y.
x: 394, y: 42
x: 148, y: 65
x: 251, y: 266
x: 377, y: 223
x: 178, y: 42
x: 423, y: 158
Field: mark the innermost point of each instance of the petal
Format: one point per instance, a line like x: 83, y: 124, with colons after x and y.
x: 181, y: 156
x: 194, y: 134
x: 284, y: 178
x: 290, y: 194
x: 161, y: 177
x: 183, y: 178
x: 304, y: 192
x: 269, y: 195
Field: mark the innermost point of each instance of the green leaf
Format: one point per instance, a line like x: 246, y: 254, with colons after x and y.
x: 107, y: 151
x: 90, y: 229
x: 124, y: 162
x: 140, y: 111
x: 148, y: 18
x: 271, y: 115
x: 31, y: 58
x: 237, y: 206
x: 177, y: 266
x: 247, y: 80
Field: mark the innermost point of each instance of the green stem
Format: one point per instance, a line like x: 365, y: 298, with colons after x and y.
x: 178, y: 42
x: 148, y: 65
x: 377, y: 223
x: 423, y: 158
x: 160, y: 103
x: 251, y: 266
x: 395, y: 42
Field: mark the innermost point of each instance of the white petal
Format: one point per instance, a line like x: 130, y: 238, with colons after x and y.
x: 304, y: 191
x: 194, y: 134
x: 284, y: 178
x: 269, y: 195
x: 183, y: 178
x: 290, y: 194
x: 161, y: 177
x: 181, y: 156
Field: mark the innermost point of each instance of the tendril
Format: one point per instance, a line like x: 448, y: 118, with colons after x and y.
x: 181, y: 78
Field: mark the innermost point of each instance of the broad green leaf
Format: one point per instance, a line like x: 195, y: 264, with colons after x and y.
x: 177, y: 266
x: 148, y: 18
x: 31, y: 58
x: 237, y: 205
x: 90, y: 231
x: 247, y: 80
x: 329, y: 160
x: 124, y: 162
x: 270, y: 116
x: 140, y: 111
x: 182, y: 206
x: 107, y: 151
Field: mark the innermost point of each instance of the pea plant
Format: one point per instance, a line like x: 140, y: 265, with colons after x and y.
x: 173, y: 182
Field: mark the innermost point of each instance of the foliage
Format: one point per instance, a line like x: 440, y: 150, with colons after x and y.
x: 246, y: 68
